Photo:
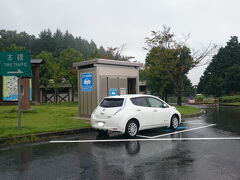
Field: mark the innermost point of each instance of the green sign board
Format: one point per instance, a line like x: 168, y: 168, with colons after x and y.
x: 15, y: 63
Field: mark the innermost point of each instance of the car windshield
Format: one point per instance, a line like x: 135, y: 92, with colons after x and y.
x: 112, y: 102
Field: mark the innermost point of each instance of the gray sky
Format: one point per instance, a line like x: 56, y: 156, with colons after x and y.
x: 112, y: 23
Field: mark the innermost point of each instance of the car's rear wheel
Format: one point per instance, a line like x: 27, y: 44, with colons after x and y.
x: 174, y: 122
x: 131, y: 128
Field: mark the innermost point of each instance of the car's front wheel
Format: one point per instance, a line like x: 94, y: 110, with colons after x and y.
x: 131, y: 128
x: 174, y: 122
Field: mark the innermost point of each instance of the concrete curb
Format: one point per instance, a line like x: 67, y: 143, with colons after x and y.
x: 228, y: 104
x: 195, y: 114
x: 45, y: 135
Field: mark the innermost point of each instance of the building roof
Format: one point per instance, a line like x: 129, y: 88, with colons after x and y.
x: 107, y: 62
x: 36, y: 61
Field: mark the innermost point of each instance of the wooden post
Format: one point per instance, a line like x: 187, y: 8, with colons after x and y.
x: 26, y: 94
x: 19, y: 103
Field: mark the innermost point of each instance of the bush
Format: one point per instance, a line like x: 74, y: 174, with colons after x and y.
x: 200, y: 98
x: 229, y: 99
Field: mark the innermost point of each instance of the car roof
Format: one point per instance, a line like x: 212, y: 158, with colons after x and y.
x: 129, y: 96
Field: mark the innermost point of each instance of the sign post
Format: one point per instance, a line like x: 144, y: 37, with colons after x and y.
x: 16, y: 63
x: 19, y: 103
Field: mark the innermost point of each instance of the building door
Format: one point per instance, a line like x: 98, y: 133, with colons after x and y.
x: 131, y: 84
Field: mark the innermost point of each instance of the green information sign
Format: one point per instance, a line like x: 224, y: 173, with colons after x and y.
x: 15, y: 63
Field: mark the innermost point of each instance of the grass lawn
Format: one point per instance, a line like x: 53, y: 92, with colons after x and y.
x: 234, y: 103
x: 186, y: 110
x: 43, y: 118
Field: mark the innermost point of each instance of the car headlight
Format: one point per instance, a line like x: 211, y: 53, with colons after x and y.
x: 100, y: 124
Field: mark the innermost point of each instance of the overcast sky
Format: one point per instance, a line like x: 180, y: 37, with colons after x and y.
x: 112, y: 23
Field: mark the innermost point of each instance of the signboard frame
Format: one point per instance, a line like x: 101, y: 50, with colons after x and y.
x: 113, y: 92
x: 87, y: 82
x: 15, y: 63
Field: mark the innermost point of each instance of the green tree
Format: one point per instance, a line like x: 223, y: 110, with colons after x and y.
x: 169, y: 60
x: 57, y: 74
x: 232, y: 79
x: 14, y: 47
x: 52, y: 74
x: 22, y: 39
x: 44, y: 70
x: 221, y: 75
x: 49, y: 41
x: 67, y: 58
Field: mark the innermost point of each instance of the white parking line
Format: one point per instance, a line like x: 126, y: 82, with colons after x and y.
x: 177, y: 132
x: 193, y: 123
x: 143, y: 136
x: 160, y: 139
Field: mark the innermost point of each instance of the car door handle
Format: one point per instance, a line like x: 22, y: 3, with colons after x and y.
x: 154, y: 110
x: 138, y: 110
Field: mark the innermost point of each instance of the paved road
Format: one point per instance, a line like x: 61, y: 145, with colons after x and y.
x: 207, y: 147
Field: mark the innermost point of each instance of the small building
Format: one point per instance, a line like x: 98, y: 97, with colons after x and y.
x: 64, y: 93
x: 98, y: 78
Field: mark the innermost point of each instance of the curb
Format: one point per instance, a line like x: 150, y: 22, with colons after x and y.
x: 45, y: 135
x: 195, y: 114
x: 228, y: 104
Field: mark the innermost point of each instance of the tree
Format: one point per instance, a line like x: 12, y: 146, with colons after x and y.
x: 44, y: 70
x: 51, y: 72
x: 116, y: 53
x: 14, y: 47
x: 49, y: 41
x: 232, y: 79
x: 57, y: 75
x: 171, y: 60
x: 67, y: 58
x: 221, y: 77
x: 22, y: 39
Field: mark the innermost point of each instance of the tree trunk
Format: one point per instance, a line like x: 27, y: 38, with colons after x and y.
x: 166, y: 99
x: 72, y: 93
x: 180, y: 90
x: 179, y: 98
x: 55, y: 95
x: 160, y: 92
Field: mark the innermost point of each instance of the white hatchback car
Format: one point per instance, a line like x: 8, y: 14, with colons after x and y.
x: 130, y: 113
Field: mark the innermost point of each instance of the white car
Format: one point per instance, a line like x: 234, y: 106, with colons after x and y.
x: 130, y: 113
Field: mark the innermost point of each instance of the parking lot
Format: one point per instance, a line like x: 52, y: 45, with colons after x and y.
x: 201, y: 148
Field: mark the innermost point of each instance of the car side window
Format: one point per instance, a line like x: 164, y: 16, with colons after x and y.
x: 141, y: 101
x: 155, y: 103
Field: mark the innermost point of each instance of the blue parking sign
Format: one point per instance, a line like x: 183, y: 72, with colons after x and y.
x: 87, y: 81
x: 113, y: 92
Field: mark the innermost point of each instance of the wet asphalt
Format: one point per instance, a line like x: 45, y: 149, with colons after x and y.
x: 165, y: 157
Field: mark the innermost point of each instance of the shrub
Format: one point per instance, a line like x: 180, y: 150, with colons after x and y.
x: 229, y: 99
x: 200, y: 98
